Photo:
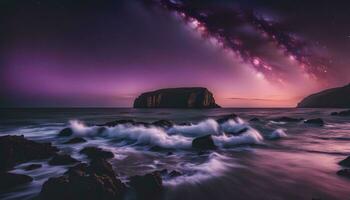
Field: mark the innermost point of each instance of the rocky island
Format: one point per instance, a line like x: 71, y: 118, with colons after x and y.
x: 190, y: 97
x: 331, y: 98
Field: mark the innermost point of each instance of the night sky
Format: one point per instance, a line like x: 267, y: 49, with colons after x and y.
x: 249, y: 53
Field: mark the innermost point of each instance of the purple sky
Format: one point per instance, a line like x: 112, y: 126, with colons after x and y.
x: 105, y: 54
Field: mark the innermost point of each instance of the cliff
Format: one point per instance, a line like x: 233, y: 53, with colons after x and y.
x: 196, y: 97
x: 331, y: 98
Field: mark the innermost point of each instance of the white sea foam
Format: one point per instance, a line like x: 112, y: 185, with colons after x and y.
x: 206, y: 127
x: 251, y: 136
x: 277, y: 134
x: 233, y: 125
x: 177, y: 137
x: 195, y: 173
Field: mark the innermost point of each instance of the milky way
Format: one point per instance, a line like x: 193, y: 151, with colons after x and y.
x: 249, y: 53
x: 235, y: 29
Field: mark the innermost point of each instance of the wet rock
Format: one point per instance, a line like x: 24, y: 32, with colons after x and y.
x: 255, y: 119
x: 287, y: 119
x: 225, y: 118
x: 344, y: 173
x: 174, y: 174
x: 10, y: 180
x: 158, y: 148
x: 162, y: 172
x: 94, y: 181
x: 317, y: 121
x: 203, y: 143
x: 125, y: 122
x: 341, y: 113
x: 75, y: 140
x: 96, y: 153
x: 239, y: 132
x: 62, y: 160
x: 66, y: 132
x: 163, y: 123
x: 118, y: 122
x: 32, y: 167
x: 149, y: 186
x: 16, y: 149
x: 345, y: 162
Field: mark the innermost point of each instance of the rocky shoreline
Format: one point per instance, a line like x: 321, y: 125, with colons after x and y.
x: 96, y: 178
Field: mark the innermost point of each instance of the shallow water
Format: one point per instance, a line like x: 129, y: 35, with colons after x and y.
x: 270, y: 161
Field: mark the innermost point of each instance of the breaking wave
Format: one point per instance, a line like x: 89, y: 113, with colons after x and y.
x: 215, y: 166
x: 177, y: 137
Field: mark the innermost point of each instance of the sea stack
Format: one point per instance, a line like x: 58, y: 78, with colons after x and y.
x: 331, y: 98
x: 190, y: 97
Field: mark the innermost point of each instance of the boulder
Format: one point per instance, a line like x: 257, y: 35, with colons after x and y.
x: 255, y: 119
x: 174, y: 174
x: 62, y: 160
x: 66, y: 132
x: 90, y: 182
x: 196, y: 97
x: 239, y: 132
x: 344, y: 173
x: 317, y: 121
x: 341, y: 113
x: 96, y: 153
x: 203, y: 143
x: 124, y: 122
x: 331, y: 98
x: 287, y: 119
x: 345, y: 162
x: 163, y: 123
x: 149, y: 186
x: 16, y: 149
x: 225, y: 118
x: 32, y: 167
x: 75, y: 140
x: 10, y: 180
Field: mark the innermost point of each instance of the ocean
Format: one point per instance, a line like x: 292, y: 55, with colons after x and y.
x: 271, y: 159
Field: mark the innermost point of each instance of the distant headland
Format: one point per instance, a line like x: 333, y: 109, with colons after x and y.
x: 331, y: 98
x: 185, y: 97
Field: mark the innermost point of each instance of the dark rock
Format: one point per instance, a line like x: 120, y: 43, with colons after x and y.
x: 32, y: 167
x: 174, y: 174
x: 287, y: 119
x: 239, y: 132
x: 162, y: 172
x: 254, y: 119
x: 341, y: 113
x: 10, y: 180
x: 62, y: 160
x: 149, y: 186
x: 75, y: 140
x: 66, y: 132
x: 96, y: 153
x: 344, y: 172
x: 196, y: 97
x: 94, y: 181
x: 334, y: 113
x: 163, y: 123
x: 125, y: 122
x: 203, y: 143
x: 170, y: 153
x: 16, y: 149
x: 331, y: 98
x: 225, y: 118
x: 159, y: 148
x: 317, y: 121
x: 345, y: 162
